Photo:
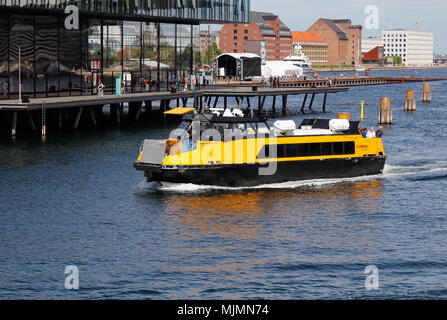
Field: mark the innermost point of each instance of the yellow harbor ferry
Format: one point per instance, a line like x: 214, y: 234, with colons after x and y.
x: 229, y: 148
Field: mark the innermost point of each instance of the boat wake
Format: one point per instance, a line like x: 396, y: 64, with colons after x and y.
x: 424, y: 171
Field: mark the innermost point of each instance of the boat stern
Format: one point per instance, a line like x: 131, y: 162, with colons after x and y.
x: 151, y: 157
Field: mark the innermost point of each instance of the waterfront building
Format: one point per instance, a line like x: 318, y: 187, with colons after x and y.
x: 267, y: 27
x: 134, y: 39
x: 207, y: 38
x: 374, y: 57
x: 343, y: 40
x: 370, y: 43
x: 441, y: 59
x: 312, y: 46
x: 414, y: 47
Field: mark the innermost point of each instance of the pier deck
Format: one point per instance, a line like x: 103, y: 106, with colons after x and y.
x: 336, y: 82
x: 93, y: 100
x: 73, y: 110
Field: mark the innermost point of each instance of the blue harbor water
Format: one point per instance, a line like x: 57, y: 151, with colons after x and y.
x: 77, y: 200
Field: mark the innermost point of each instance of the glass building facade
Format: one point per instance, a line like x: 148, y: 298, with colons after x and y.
x: 156, y: 40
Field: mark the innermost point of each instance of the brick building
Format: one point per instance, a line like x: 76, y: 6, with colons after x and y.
x: 236, y: 38
x: 343, y: 39
x: 374, y: 57
x: 312, y: 46
x: 207, y: 38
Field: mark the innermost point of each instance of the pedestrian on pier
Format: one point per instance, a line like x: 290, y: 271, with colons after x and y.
x: 101, y: 90
x: 123, y: 87
x: 185, y: 81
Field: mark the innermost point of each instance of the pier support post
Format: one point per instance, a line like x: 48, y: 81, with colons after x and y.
x: 148, y: 106
x: 274, y: 103
x: 185, y: 102
x: 148, y: 109
x: 215, y: 101
x: 262, y: 103
x: 426, y: 94
x: 162, y: 109
x: 14, y: 124
x: 60, y: 119
x: 225, y: 102
x: 284, y: 103
x: 31, y: 121
x: 196, y: 102
x: 248, y: 103
x: 240, y: 101
x: 410, y: 101
x: 385, y: 113
x: 311, y: 101
x: 78, y: 117
x: 208, y: 103
x: 92, y: 115
x: 304, y: 103
x: 138, y: 112
x: 115, y: 112
x: 324, y: 102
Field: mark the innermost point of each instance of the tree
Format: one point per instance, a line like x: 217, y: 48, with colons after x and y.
x: 211, y: 53
x: 396, y: 60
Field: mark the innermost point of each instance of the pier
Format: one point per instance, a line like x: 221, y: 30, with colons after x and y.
x: 69, y: 111
x: 339, y: 82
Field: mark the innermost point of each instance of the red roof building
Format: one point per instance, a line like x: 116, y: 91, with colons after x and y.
x: 374, y: 56
x: 343, y: 39
x: 312, y: 46
x: 240, y: 38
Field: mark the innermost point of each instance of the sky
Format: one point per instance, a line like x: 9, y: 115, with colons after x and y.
x: 427, y: 15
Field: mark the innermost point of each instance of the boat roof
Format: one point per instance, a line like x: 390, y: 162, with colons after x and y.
x: 220, y: 119
x: 324, y: 124
x: 212, y: 118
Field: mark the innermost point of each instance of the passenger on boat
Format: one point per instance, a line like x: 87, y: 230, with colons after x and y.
x: 364, y: 132
x: 379, y: 132
x: 371, y: 133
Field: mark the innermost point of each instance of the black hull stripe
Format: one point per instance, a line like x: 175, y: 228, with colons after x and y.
x: 248, y: 174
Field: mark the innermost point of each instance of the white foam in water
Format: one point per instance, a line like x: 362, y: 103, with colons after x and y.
x: 389, y: 172
x: 393, y: 170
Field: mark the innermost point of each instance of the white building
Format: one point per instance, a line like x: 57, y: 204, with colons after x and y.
x: 414, y: 47
x: 370, y: 43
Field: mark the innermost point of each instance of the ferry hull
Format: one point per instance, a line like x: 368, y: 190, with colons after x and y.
x: 247, y: 175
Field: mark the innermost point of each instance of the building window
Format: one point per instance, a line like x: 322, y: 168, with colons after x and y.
x: 235, y: 38
x: 235, y: 31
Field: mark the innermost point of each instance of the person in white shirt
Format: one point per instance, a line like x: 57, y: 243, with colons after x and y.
x: 371, y: 133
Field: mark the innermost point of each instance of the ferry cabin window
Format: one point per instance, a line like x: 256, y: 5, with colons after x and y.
x: 308, y: 149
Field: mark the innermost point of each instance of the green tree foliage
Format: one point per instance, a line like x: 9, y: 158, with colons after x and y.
x: 396, y: 60
x: 211, y: 53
